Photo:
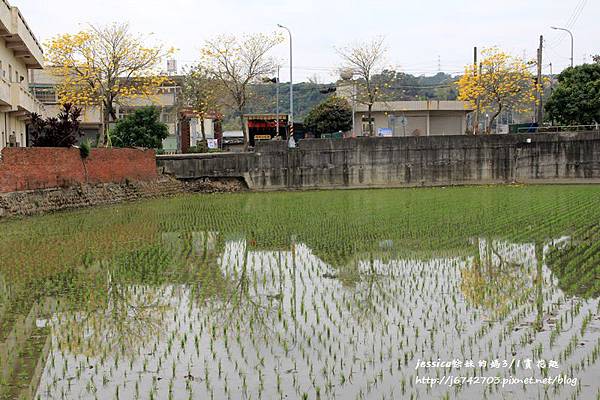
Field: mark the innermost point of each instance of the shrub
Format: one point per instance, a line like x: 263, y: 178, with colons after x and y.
x: 85, y: 148
x: 200, y: 147
x: 140, y: 129
x: 60, y: 131
x: 332, y: 115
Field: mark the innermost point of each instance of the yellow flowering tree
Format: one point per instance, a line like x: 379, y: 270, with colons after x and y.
x: 200, y: 93
x: 100, y: 66
x: 235, y: 63
x: 500, y: 82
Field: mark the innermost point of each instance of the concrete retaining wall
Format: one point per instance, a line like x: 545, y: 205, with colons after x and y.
x: 402, y: 162
x: 73, y: 197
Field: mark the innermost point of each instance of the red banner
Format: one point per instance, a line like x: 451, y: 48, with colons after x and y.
x: 264, y: 124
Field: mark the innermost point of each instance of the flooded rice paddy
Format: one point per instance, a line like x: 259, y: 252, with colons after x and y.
x: 462, y: 293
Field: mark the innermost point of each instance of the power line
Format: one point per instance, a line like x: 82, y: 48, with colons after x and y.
x: 440, y: 85
x: 556, y: 54
x: 569, y: 24
x: 576, y: 15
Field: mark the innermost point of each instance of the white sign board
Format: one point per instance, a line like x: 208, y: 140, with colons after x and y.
x: 384, y: 132
x: 212, y: 144
x: 503, y: 129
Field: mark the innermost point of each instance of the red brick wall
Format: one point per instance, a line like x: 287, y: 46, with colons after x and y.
x: 46, y: 167
x: 185, y: 134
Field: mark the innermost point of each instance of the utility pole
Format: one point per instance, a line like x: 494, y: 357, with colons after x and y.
x: 354, y: 94
x: 476, y: 122
x: 540, y: 82
x: 277, y: 106
x: 479, y: 98
x: 347, y: 75
x: 551, y: 88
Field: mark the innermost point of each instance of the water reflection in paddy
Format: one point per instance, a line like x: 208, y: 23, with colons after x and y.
x: 241, y: 322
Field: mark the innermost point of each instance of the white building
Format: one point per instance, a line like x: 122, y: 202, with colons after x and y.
x: 44, y: 87
x: 413, y: 118
x: 20, y: 52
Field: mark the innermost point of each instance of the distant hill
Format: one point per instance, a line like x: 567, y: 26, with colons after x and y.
x: 306, y: 95
x: 409, y: 87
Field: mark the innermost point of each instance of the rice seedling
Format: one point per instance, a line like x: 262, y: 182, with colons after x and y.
x: 306, y: 295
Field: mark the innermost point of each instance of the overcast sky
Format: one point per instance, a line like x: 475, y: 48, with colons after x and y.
x: 421, y: 35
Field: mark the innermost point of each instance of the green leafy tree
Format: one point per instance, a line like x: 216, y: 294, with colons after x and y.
x: 140, y: 129
x: 395, y: 86
x: 576, y: 99
x: 332, y: 115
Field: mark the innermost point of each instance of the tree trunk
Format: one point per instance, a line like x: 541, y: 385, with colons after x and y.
x: 107, y: 112
x: 489, y: 127
x: 103, y: 129
x: 202, y: 128
x: 370, y: 112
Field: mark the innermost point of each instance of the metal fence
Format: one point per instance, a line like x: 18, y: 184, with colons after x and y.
x: 557, y: 129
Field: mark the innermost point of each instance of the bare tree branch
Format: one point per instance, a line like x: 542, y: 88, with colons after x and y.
x: 365, y: 60
x: 236, y: 63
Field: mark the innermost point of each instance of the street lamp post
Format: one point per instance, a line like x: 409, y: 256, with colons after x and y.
x: 291, y: 121
x: 348, y: 75
x: 571, y: 34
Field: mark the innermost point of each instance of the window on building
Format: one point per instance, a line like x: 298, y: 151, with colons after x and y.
x: 167, y: 117
x: 398, y: 124
x: 365, y: 125
x: 10, y: 75
x: 169, y: 89
x: 46, y: 95
x: 124, y: 112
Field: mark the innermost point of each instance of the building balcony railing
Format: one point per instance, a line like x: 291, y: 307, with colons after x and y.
x: 90, y: 115
x: 19, y: 37
x: 5, y: 16
x: 5, y: 93
x: 24, y: 103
